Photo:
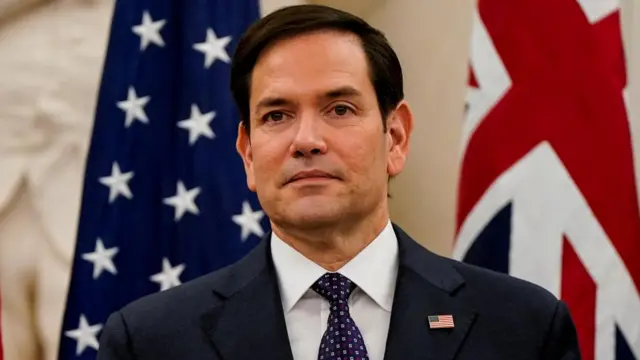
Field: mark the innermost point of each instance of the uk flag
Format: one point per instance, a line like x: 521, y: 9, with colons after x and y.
x: 548, y: 186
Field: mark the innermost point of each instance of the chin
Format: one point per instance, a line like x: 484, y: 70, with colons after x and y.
x: 313, y: 214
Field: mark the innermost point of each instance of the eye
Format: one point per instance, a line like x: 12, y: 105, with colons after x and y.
x: 341, y: 110
x: 274, y: 116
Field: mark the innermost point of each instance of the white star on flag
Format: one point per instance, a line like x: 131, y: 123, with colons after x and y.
x: 169, y: 276
x: 183, y: 201
x: 198, y: 124
x: 85, y: 335
x: 134, y: 107
x: 249, y: 220
x: 149, y: 31
x: 102, y: 259
x: 118, y: 183
x: 213, y: 48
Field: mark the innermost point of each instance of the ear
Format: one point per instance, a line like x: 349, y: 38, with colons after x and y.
x: 243, y: 146
x: 399, y: 129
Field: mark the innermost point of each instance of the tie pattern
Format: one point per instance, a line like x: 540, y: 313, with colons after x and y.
x: 342, y: 340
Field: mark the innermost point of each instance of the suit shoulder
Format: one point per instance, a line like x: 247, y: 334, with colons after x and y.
x: 170, y: 320
x: 180, y: 301
x: 490, y: 285
x: 201, y: 293
x: 513, y: 309
x: 481, y: 287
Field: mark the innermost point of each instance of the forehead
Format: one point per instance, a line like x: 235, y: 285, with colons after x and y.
x: 309, y: 63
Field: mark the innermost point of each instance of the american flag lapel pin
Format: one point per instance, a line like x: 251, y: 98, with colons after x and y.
x: 441, y: 321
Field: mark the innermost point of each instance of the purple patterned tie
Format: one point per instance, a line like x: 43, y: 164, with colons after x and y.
x: 342, y: 339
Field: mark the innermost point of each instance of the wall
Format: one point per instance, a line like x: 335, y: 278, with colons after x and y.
x: 267, y: 6
x: 49, y: 73
x: 435, y: 69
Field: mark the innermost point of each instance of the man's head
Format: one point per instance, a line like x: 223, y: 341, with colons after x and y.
x: 324, y: 124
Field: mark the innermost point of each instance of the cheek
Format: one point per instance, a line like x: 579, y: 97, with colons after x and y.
x: 267, y: 161
x: 364, y: 157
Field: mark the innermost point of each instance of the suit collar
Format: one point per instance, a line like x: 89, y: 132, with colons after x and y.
x: 438, y: 271
x: 426, y: 285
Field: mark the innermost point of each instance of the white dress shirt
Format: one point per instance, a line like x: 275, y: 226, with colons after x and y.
x: 374, y: 270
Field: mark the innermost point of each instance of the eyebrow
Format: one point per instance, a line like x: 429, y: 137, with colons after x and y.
x: 340, y: 92
x: 273, y: 102
x: 344, y: 91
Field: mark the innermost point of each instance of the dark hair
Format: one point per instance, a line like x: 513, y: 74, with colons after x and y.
x: 385, y: 71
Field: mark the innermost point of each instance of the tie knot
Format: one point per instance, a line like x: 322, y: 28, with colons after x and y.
x: 334, y: 287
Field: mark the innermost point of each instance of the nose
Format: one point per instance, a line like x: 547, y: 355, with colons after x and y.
x: 309, y: 139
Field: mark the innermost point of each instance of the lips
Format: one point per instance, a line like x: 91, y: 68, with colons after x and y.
x: 310, y: 174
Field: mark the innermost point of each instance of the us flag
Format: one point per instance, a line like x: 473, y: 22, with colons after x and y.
x: 548, y: 186
x: 165, y: 198
x: 440, y: 321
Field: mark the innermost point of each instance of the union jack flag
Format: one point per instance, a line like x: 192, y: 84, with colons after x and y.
x: 548, y: 186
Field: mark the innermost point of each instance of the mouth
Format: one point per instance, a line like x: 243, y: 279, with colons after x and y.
x: 310, y: 176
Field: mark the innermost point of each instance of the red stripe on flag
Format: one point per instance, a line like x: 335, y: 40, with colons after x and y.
x: 609, y: 37
x: 578, y: 290
x: 472, y: 78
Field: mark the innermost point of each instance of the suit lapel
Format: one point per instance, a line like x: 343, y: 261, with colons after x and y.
x: 426, y: 286
x: 248, y: 321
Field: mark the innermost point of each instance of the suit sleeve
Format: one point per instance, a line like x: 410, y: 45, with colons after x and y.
x: 114, y: 340
x: 561, y: 340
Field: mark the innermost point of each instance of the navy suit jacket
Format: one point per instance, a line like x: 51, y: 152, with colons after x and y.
x: 236, y: 314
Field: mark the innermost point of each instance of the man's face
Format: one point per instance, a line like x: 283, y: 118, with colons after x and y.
x: 317, y: 153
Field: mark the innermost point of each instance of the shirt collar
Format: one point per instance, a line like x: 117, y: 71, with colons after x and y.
x: 374, y: 269
x: 295, y: 272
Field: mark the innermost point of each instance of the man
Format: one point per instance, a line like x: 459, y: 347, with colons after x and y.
x: 324, y: 127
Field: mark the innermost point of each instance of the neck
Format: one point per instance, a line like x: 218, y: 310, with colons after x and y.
x: 333, y: 246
